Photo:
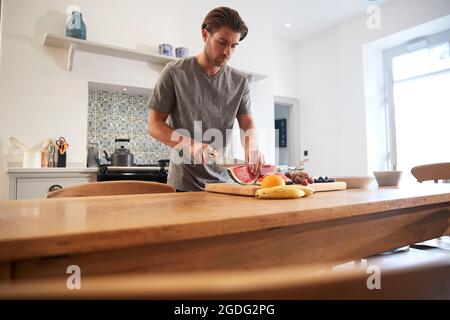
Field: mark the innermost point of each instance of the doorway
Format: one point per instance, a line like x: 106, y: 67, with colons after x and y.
x: 287, y: 131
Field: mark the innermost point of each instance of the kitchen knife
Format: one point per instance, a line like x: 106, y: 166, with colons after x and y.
x: 225, y: 162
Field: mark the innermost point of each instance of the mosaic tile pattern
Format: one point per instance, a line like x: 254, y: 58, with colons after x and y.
x: 120, y: 115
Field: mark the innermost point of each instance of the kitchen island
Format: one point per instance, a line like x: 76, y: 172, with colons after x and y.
x: 208, y: 231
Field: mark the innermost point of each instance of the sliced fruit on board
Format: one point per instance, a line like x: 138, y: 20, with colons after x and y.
x: 249, y: 190
x: 267, y: 168
x: 243, y: 174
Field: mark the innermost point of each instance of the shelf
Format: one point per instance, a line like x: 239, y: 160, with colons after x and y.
x: 252, y: 77
x: 73, y: 44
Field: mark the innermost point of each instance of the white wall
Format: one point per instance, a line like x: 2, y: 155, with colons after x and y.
x: 285, y: 68
x: 331, y: 85
x: 39, y: 99
x: 285, y: 79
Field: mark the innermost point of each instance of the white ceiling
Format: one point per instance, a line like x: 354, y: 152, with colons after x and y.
x: 311, y: 16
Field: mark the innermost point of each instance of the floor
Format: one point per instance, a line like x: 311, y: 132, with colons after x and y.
x: 420, y: 253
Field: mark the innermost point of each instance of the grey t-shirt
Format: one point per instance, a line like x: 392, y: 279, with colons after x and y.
x: 188, y: 94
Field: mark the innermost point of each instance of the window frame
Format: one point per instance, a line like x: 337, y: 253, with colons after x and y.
x: 388, y: 56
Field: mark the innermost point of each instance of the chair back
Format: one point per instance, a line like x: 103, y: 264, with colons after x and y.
x: 426, y: 280
x: 435, y: 171
x: 110, y: 188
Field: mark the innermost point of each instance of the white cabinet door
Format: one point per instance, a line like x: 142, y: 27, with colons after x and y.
x: 36, y: 188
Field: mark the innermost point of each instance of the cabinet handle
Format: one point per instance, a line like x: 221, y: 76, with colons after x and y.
x: 55, y: 187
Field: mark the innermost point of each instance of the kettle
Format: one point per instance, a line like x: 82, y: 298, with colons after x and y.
x: 121, y: 157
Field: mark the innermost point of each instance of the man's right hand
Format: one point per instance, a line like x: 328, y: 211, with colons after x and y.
x: 203, y: 153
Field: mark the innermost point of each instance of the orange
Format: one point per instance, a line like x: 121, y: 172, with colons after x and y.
x: 272, y: 181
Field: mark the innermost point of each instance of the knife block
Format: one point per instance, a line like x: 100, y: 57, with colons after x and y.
x: 61, y: 161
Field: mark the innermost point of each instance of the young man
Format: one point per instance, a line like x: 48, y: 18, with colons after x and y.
x: 202, y: 94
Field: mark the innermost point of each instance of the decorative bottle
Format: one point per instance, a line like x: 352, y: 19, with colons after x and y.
x: 75, y: 26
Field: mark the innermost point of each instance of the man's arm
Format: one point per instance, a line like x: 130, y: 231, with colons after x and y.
x: 248, y: 138
x: 249, y: 141
x: 159, y: 129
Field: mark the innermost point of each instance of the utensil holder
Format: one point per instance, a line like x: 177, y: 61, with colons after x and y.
x: 61, y: 159
x: 31, y: 159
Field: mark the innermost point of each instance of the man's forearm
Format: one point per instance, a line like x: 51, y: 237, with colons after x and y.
x: 249, y: 137
x: 249, y: 140
x: 201, y: 152
x: 164, y: 133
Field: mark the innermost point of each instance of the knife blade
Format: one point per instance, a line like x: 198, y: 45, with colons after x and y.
x: 225, y: 162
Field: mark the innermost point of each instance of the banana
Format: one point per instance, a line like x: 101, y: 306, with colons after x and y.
x: 281, y: 192
x: 308, y: 190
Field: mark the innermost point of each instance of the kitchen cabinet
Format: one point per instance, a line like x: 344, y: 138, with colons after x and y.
x: 72, y: 44
x: 36, y: 183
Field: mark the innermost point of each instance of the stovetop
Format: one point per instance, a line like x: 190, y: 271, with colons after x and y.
x: 136, y: 168
x: 140, y: 172
x: 161, y: 165
x: 147, y: 165
x: 139, y: 167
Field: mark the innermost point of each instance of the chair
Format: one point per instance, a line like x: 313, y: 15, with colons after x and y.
x: 427, y: 280
x: 428, y: 172
x: 435, y: 171
x: 110, y: 188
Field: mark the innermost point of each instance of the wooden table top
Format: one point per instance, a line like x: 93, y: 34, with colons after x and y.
x: 31, y: 228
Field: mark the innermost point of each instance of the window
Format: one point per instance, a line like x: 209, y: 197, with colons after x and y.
x: 421, y: 62
x: 417, y: 77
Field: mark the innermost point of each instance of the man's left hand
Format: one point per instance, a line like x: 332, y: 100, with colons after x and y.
x: 256, y: 159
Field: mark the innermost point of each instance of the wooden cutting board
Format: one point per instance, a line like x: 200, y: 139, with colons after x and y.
x: 249, y: 190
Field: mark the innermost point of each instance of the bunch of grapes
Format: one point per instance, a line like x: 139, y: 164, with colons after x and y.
x: 299, y: 177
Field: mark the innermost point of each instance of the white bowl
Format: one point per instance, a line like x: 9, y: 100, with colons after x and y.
x: 387, y: 178
x: 355, y: 182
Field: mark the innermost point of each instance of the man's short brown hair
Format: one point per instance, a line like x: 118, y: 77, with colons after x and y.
x: 225, y: 17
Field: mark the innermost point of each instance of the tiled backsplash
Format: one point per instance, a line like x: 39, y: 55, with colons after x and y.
x: 114, y: 115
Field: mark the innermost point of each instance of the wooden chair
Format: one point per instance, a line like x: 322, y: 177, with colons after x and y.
x: 110, y: 188
x: 428, y: 172
x: 435, y: 171
x: 418, y: 281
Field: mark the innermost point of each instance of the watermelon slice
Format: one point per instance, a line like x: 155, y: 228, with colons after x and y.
x: 242, y: 174
x: 267, y: 169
